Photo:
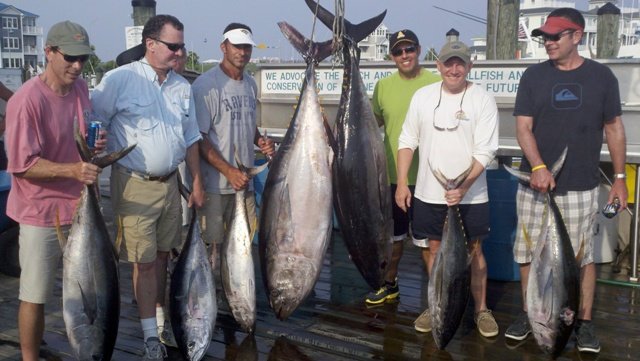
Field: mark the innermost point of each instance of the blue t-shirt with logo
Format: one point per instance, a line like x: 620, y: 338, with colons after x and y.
x: 569, y: 109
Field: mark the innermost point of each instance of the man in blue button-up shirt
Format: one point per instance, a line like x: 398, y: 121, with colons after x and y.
x: 148, y: 104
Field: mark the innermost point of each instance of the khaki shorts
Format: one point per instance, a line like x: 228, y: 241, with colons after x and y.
x: 217, y: 213
x: 150, y: 213
x: 40, y: 256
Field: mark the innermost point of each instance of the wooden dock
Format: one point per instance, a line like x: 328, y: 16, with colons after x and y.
x: 335, y: 324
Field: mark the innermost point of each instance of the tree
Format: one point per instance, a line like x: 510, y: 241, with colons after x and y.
x: 91, y: 65
x: 192, y: 60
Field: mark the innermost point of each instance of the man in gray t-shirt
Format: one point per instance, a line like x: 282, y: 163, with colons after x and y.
x: 225, y: 99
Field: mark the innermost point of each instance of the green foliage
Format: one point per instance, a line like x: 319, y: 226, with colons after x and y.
x: 91, y: 65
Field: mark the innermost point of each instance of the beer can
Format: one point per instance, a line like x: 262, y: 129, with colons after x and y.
x: 94, y: 133
x: 610, y: 210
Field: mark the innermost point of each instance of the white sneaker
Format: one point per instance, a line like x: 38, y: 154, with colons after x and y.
x: 165, y: 333
x: 154, y: 350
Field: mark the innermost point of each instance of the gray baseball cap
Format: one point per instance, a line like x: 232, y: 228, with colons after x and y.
x: 70, y: 38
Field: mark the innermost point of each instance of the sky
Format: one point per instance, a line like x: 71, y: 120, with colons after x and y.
x: 204, y: 20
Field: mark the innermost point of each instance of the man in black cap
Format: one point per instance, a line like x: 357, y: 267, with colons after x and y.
x: 48, y: 174
x: 391, y: 97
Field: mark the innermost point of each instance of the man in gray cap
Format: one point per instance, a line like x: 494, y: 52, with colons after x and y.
x: 225, y: 99
x: 454, y: 123
x: 48, y: 174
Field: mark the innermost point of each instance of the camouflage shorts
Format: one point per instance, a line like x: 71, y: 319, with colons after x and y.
x: 578, y: 210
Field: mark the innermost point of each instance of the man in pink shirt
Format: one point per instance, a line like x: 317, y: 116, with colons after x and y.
x: 47, y: 172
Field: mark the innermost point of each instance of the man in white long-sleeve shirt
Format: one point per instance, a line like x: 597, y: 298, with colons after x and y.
x: 454, y: 123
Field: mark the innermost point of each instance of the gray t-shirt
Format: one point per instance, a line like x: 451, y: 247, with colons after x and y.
x: 226, y: 114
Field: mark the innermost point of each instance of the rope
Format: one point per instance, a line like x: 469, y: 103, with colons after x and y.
x: 338, y: 33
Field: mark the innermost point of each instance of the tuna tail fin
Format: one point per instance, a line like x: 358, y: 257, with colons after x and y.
x: 119, y: 236
x: 311, y: 51
x: 449, y: 184
x: 526, y: 176
x: 250, y: 172
x: 356, y: 32
x: 102, y: 162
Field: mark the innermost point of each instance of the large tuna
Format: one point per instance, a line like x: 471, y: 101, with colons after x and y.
x: 296, y: 211
x: 450, y: 278
x: 192, y: 293
x: 362, y: 197
x: 90, y: 284
x: 553, y: 290
x: 236, y: 266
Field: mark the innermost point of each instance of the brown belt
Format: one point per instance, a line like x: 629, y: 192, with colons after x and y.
x: 147, y: 177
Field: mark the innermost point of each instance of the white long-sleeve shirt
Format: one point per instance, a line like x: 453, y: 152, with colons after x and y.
x: 432, y: 129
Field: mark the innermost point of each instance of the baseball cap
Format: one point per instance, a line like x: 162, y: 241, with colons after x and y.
x: 556, y: 25
x: 455, y: 49
x: 404, y: 35
x: 239, y: 36
x: 70, y: 38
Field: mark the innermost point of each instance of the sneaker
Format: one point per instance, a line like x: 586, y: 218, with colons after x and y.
x: 165, y: 333
x: 423, y: 322
x: 487, y: 325
x: 385, y: 293
x: 586, y: 337
x: 154, y: 350
x: 519, y: 329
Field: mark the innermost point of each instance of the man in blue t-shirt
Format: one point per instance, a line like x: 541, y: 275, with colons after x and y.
x: 566, y: 102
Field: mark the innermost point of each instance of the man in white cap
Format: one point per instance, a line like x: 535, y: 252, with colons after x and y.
x: 48, y: 174
x: 454, y: 125
x: 225, y: 99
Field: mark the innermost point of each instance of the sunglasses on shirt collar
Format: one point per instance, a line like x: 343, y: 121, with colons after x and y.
x: 407, y: 49
x: 171, y: 46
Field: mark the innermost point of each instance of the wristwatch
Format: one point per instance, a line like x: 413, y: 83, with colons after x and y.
x: 620, y: 176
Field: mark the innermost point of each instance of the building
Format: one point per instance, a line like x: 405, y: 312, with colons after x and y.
x: 22, y: 44
x: 375, y: 46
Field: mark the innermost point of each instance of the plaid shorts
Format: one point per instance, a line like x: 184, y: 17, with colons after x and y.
x: 578, y: 208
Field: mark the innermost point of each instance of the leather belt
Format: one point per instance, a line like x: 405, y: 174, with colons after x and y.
x: 147, y: 177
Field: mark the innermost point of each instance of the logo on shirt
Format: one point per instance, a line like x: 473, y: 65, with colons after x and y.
x: 567, y: 96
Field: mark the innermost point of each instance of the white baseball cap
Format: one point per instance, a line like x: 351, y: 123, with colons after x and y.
x: 239, y: 36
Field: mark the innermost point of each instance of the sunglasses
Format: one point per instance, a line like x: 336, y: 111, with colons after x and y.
x: 171, y: 46
x: 72, y: 58
x: 408, y: 49
x: 555, y: 37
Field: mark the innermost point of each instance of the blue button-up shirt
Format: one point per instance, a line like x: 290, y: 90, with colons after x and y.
x: 136, y: 109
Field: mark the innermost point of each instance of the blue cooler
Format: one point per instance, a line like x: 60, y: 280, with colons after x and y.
x: 498, y: 247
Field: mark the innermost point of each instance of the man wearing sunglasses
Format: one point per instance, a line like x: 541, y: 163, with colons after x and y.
x: 454, y: 123
x: 225, y: 98
x: 48, y: 174
x: 147, y: 103
x: 566, y: 102
x: 391, y: 97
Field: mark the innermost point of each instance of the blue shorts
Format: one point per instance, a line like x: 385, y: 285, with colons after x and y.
x: 428, y: 220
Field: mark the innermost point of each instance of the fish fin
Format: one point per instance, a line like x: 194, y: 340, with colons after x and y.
x: 252, y: 172
x: 580, y: 254
x: 356, y: 32
x: 81, y: 143
x: 527, y: 238
x: 310, y: 50
x: 61, y: 239
x: 108, y: 159
x: 330, y: 137
x: 522, y: 176
x: 119, y: 236
x: 87, y: 307
x: 253, y: 227
x: 449, y: 184
x: 184, y: 191
x: 557, y: 165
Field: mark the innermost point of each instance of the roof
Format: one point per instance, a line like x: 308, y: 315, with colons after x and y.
x: 4, y: 6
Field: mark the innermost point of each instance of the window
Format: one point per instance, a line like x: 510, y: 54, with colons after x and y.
x: 11, y: 43
x: 10, y: 23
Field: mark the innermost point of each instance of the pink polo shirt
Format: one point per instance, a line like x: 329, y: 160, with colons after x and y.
x: 40, y: 126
